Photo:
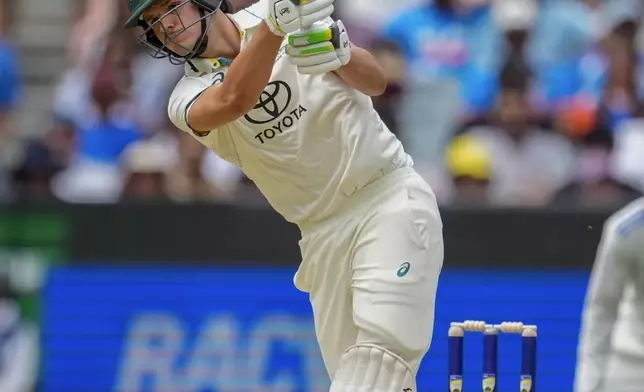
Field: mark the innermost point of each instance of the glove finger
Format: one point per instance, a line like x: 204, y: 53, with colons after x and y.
x: 313, y: 60
x: 320, y: 68
x: 339, y: 35
x: 341, y: 41
x: 310, y: 37
x: 312, y: 6
x: 309, y: 50
x: 309, y: 19
x: 285, y: 11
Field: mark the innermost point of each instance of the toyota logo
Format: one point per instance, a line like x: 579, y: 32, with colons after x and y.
x: 272, y: 103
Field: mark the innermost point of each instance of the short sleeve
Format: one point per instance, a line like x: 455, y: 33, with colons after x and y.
x: 185, y: 94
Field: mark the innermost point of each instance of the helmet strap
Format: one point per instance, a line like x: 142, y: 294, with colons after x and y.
x: 192, y: 66
x: 202, y: 44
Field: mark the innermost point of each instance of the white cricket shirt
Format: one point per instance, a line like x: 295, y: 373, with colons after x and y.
x: 613, y: 318
x: 309, y: 143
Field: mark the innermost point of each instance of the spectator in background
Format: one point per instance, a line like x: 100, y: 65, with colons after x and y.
x: 42, y: 159
x: 101, y: 137
x: 628, y: 154
x: 146, y: 165
x: 366, y: 18
x: 224, y: 178
x: 622, y: 91
x: 32, y: 177
x: 95, y: 20
x: 451, y: 51
x: 527, y: 163
x: 515, y: 20
x: 88, y: 43
x: 445, y: 39
x: 9, y: 93
x: 97, y: 32
x: 388, y: 104
x: 594, y: 181
x: 565, y: 30
x: 9, y: 73
x: 569, y: 28
x: 468, y: 165
x: 187, y: 180
x: 61, y: 141
x: 604, y: 82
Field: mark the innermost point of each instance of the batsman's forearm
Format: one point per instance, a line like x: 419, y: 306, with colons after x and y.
x: 363, y: 73
x: 251, y: 70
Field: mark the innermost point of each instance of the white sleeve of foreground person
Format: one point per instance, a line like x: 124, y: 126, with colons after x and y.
x: 610, y: 276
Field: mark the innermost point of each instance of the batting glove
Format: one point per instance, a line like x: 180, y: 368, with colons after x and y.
x: 321, y: 49
x: 288, y: 16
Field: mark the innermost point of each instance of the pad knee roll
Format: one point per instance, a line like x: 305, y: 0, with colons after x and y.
x: 370, y: 368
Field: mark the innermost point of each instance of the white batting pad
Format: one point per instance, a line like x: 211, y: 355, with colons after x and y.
x: 369, y: 368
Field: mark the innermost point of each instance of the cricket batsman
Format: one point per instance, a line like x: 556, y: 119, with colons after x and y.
x: 279, y: 90
x: 611, y: 347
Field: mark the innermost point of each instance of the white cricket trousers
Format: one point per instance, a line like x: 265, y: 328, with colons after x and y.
x: 372, y: 269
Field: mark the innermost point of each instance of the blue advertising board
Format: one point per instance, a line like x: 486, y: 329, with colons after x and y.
x: 234, y: 330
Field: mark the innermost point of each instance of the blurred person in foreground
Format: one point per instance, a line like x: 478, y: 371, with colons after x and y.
x: 293, y: 110
x: 19, y: 352
x: 611, y: 344
x: 527, y: 163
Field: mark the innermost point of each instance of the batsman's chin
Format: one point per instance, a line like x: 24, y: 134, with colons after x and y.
x: 181, y: 44
x: 181, y: 50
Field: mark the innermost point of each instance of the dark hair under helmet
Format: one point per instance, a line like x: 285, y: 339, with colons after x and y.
x: 158, y: 49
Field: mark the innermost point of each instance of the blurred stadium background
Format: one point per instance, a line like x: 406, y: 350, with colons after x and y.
x: 131, y: 259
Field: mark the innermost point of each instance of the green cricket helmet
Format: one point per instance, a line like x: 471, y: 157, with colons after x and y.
x: 158, y: 49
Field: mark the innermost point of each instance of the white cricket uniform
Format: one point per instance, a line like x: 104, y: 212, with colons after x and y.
x: 372, y: 243
x: 611, y: 347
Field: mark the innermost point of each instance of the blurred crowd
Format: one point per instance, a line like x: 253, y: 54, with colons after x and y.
x: 499, y: 102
